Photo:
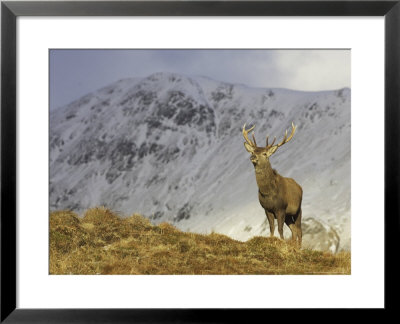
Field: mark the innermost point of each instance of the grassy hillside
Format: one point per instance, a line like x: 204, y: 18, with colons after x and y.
x: 103, y: 243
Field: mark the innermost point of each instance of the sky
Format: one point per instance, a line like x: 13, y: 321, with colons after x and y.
x: 74, y: 72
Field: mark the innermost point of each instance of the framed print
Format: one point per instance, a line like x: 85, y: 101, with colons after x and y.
x: 127, y: 192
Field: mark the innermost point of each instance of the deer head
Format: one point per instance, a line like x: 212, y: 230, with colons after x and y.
x: 260, y: 155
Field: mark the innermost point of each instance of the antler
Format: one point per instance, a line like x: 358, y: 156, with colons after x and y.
x: 253, y: 143
x: 287, y: 139
x: 246, y: 136
x: 254, y: 139
x: 271, y: 143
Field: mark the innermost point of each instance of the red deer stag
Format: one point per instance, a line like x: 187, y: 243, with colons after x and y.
x: 279, y: 196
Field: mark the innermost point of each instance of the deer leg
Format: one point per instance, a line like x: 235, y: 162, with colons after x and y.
x: 271, y: 220
x: 281, y: 219
x: 290, y: 223
x: 298, y: 227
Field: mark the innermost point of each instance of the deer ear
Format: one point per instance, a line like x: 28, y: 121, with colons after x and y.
x: 249, y: 148
x: 272, y: 150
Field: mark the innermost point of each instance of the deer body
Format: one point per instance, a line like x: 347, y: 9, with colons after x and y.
x: 279, y: 196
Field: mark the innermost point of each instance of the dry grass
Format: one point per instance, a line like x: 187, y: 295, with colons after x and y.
x: 103, y: 243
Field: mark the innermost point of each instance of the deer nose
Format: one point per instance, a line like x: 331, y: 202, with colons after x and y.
x: 253, y: 158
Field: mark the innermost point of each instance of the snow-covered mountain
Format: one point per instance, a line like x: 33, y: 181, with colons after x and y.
x: 170, y: 147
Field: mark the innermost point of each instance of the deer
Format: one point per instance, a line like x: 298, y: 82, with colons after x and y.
x: 279, y: 196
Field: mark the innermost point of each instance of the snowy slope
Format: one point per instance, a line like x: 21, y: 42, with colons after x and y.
x: 170, y: 147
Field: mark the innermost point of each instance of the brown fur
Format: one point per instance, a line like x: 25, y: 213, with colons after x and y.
x: 279, y: 196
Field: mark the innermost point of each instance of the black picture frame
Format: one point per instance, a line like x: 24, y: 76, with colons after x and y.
x: 11, y: 10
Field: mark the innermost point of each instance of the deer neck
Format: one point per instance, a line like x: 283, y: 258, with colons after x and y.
x: 266, y: 179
